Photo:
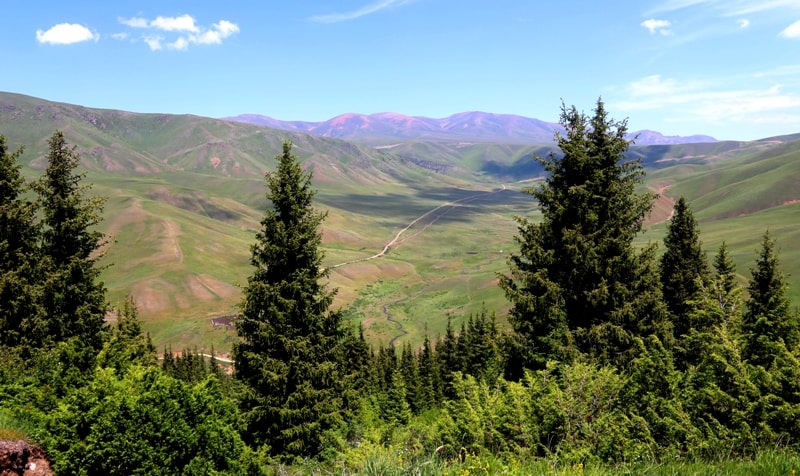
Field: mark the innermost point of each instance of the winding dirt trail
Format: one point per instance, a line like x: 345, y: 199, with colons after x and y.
x: 437, y: 212
x: 443, y: 210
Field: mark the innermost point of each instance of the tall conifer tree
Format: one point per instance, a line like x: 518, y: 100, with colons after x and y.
x: 73, y: 300
x: 578, y: 286
x: 768, y: 318
x: 18, y: 243
x: 682, y: 263
x: 288, y: 355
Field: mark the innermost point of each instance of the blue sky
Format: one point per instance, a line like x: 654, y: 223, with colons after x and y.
x: 727, y: 68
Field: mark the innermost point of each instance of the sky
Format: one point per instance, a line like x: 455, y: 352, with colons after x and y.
x: 725, y: 68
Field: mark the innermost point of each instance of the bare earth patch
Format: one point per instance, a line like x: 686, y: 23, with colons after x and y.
x: 663, y: 208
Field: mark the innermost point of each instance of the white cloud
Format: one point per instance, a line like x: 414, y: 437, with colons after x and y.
x: 747, y: 7
x: 154, y: 42
x: 181, y: 23
x: 220, y: 31
x: 179, y: 44
x: 791, y: 31
x: 185, y: 26
x: 119, y: 36
x: 650, y: 85
x: 66, y: 34
x: 711, y: 102
x: 365, y: 10
x: 134, y: 22
x: 726, y: 7
x: 660, y: 26
x: 743, y: 23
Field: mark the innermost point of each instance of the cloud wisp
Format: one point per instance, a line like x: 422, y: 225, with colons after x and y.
x: 711, y: 102
x: 185, y: 26
x: 363, y: 11
x: 657, y: 26
x: 66, y: 34
x: 791, y: 31
x: 730, y: 8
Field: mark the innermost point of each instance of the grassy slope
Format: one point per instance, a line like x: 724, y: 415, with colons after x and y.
x: 186, y: 195
x: 737, y: 199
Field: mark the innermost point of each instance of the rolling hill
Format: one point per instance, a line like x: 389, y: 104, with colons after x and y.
x: 186, y: 194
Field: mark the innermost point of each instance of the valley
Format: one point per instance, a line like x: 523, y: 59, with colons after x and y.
x: 418, y: 230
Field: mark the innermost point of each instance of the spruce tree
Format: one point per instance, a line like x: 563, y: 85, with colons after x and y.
x: 289, y: 354
x: 682, y: 263
x: 430, y: 391
x: 725, y: 268
x: 578, y: 286
x: 716, y: 305
x: 768, y: 319
x: 128, y: 344
x: 18, y: 246
x: 73, y: 299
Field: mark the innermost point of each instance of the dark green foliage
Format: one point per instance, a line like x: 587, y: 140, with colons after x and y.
x: 726, y: 270
x: 396, y: 410
x: 73, y: 298
x: 681, y: 265
x: 18, y: 254
x: 476, y: 351
x: 429, y: 387
x: 578, y: 286
x: 720, y: 396
x: 145, y: 423
x: 289, y: 355
x: 189, y: 366
x: 652, y: 393
x: 768, y: 323
x: 717, y: 304
x: 127, y: 345
x: 357, y: 357
x: 409, y: 372
x: 481, y: 339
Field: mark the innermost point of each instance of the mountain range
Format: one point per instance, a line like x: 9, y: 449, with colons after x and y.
x: 374, y: 129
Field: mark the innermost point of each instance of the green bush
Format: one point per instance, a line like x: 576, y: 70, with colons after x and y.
x: 145, y: 423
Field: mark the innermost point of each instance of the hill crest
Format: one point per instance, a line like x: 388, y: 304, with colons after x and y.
x: 474, y: 126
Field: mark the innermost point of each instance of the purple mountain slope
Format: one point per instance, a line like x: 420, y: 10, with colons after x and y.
x: 465, y: 126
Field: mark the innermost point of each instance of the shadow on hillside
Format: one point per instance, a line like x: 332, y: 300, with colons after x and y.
x: 464, y: 204
x: 525, y: 167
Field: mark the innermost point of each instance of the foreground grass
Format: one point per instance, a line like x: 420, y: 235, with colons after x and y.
x: 13, y: 428
x: 387, y: 463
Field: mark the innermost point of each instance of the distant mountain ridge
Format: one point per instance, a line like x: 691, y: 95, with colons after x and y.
x: 472, y: 126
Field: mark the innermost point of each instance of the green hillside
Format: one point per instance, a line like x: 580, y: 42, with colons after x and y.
x: 737, y: 197
x: 186, y: 195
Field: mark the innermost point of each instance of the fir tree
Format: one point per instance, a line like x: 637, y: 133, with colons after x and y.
x: 768, y: 320
x: 168, y: 364
x: 128, y: 344
x: 73, y: 300
x: 577, y: 285
x: 430, y: 391
x: 289, y: 353
x: 18, y: 255
x: 726, y: 269
x: 409, y: 371
x: 396, y: 410
x: 357, y: 356
x: 682, y: 263
x: 717, y: 304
